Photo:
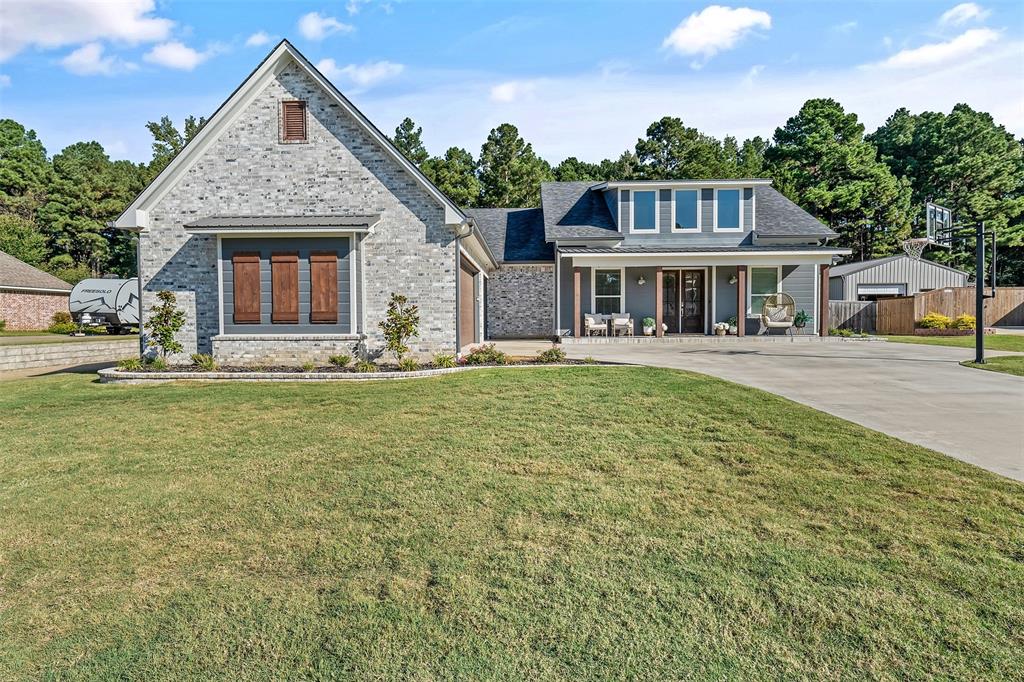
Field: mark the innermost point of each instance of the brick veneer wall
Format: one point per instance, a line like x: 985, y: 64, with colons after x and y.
x: 521, y: 301
x: 341, y: 170
x: 27, y: 310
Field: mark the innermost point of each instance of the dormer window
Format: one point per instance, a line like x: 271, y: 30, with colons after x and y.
x: 687, y: 210
x: 293, y: 121
x: 645, y: 211
x: 727, y: 210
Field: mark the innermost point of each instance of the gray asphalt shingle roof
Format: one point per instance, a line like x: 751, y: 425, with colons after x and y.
x: 775, y: 215
x: 16, y: 274
x: 573, y: 211
x: 513, y: 234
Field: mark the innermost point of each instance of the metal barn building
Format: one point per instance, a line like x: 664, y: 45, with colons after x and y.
x: 893, y: 276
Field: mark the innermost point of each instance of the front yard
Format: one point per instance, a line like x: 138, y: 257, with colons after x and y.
x: 1007, y: 342
x: 576, y: 523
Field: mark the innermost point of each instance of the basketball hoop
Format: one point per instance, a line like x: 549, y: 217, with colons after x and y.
x: 915, y: 247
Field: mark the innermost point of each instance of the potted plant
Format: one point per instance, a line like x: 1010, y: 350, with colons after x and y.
x: 732, y: 322
x: 800, y: 319
x: 648, y: 326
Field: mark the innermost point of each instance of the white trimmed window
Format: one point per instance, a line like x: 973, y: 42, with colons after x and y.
x: 645, y: 211
x: 728, y: 212
x: 763, y: 283
x: 687, y: 210
x: 608, y: 290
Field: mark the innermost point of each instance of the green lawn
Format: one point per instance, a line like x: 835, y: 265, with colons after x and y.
x: 576, y: 523
x: 1009, y: 342
x: 1008, y: 364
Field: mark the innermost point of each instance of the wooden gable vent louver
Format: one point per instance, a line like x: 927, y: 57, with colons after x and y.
x: 293, y: 121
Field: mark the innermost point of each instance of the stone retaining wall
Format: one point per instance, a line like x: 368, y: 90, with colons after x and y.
x: 66, y: 354
x: 287, y: 350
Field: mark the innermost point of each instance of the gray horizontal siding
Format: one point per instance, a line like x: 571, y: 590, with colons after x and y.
x: 303, y: 246
x: 706, y: 216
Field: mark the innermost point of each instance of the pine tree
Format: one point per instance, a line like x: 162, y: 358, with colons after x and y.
x: 510, y: 173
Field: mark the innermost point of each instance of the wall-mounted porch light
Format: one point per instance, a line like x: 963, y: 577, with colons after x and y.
x: 641, y: 281
x: 733, y: 279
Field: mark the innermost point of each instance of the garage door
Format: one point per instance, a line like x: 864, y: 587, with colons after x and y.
x: 467, y: 303
x: 881, y: 289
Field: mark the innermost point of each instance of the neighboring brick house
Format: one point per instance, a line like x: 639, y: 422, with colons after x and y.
x: 28, y: 296
x: 285, y: 225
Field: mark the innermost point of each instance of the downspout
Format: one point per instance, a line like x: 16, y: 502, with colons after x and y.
x: 463, y: 230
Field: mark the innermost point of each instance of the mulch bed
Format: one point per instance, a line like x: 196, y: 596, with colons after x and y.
x: 332, y: 369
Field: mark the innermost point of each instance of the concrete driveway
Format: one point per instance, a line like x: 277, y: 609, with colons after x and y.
x: 915, y: 392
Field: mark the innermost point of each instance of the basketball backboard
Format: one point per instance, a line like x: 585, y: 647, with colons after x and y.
x: 939, y: 224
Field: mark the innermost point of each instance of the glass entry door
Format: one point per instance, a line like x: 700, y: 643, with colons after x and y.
x: 670, y: 301
x: 683, y: 301
x: 692, y: 304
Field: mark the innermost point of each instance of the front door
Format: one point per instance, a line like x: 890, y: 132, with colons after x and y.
x: 682, y: 307
x: 691, y: 306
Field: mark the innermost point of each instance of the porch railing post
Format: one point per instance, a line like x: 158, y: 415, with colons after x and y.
x: 577, y: 314
x: 823, y: 314
x: 741, y: 300
x: 659, y: 312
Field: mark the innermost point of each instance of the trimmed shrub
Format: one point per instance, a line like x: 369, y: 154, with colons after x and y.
x: 130, y: 365
x: 845, y: 333
x: 590, y: 360
x: 204, y: 362
x: 486, y: 354
x: 3, y: 325
x: 61, y: 317
x: 551, y: 355
x: 63, y: 328
x: 964, y: 321
x: 408, y: 364
x: 444, y: 360
x: 157, y: 364
x: 340, y: 360
x: 366, y: 367
x: 308, y: 366
x: 934, y: 320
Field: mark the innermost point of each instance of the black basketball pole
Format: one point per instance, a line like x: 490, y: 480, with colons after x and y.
x: 979, y: 294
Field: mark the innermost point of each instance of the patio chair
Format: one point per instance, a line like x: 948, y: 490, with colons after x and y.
x: 622, y: 325
x: 778, y: 313
x: 595, y: 324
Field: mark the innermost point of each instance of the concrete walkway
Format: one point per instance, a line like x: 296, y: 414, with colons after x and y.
x: 917, y: 393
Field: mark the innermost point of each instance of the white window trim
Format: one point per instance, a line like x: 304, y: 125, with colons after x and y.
x: 685, y: 230
x: 593, y: 289
x: 632, y: 207
x: 716, y: 228
x: 750, y: 282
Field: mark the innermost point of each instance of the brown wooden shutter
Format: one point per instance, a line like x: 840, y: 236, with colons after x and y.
x: 293, y: 121
x: 284, y: 288
x: 246, y: 277
x: 323, y: 288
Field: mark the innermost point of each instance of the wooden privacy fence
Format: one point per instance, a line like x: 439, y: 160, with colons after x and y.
x: 900, y: 315
x: 855, y: 315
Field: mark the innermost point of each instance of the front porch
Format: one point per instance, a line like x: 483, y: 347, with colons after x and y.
x: 686, y: 300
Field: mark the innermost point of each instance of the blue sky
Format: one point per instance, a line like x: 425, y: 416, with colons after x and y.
x: 578, y: 78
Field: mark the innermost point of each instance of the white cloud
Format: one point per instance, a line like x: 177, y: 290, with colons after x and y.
x: 5, y: 80
x: 256, y: 39
x: 963, y: 45
x: 845, y: 27
x: 363, y: 75
x: 511, y: 91
x: 714, y: 29
x: 752, y: 74
x: 313, y: 26
x: 56, y: 23
x: 89, y: 60
x: 962, y: 13
x: 176, y: 55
